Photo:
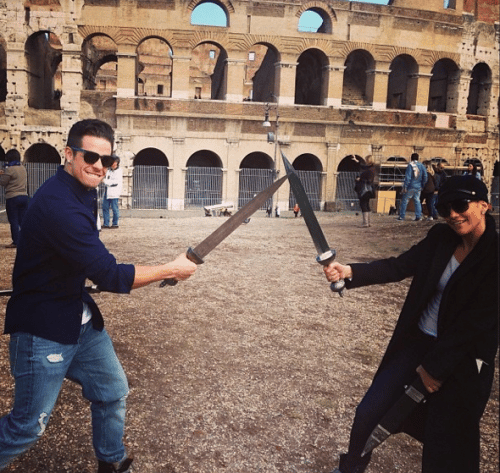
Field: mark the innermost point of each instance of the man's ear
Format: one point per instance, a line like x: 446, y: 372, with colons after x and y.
x: 68, y: 154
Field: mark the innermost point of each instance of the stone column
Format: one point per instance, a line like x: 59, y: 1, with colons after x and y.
x: 418, y: 91
x: 235, y: 79
x: 376, y: 87
x: 72, y: 80
x: 180, y: 77
x: 126, y: 74
x: 285, y: 82
x: 333, y: 84
x: 17, y: 87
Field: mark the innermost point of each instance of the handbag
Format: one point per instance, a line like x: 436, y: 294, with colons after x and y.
x: 366, y: 190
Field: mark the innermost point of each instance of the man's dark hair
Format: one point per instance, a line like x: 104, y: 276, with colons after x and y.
x: 12, y: 155
x: 414, y: 157
x: 90, y: 127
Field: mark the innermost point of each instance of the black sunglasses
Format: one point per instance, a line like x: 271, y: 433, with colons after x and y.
x: 459, y: 206
x: 91, y: 158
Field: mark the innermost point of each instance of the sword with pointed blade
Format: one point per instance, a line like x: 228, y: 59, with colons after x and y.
x: 402, y: 408
x: 197, y: 254
x: 325, y: 254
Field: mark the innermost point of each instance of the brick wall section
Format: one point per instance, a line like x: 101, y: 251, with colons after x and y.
x: 486, y: 10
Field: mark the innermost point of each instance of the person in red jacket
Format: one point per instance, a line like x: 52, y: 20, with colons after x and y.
x: 447, y: 333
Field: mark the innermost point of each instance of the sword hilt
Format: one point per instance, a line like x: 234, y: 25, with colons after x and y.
x: 325, y: 259
x: 190, y: 255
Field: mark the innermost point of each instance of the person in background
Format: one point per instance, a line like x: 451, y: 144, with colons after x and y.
x: 364, y: 187
x: 56, y: 329
x: 415, y: 179
x: 15, y: 180
x: 296, y: 210
x: 473, y: 170
x: 428, y: 192
x: 446, y: 334
x: 113, y: 183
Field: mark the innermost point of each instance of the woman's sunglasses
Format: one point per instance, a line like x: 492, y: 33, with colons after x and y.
x: 91, y: 158
x: 459, y: 206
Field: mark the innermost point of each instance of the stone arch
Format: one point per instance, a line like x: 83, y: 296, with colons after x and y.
x: 356, y: 87
x: 99, y: 62
x: 260, y: 72
x: 204, y: 158
x: 326, y: 14
x: 478, y: 100
x: 256, y: 174
x: 150, y: 157
x: 401, y: 90
x: 208, y: 72
x: 225, y: 4
x: 444, y: 86
x: 42, y: 153
x: 43, y: 51
x: 154, y: 67
x: 215, y: 9
x: 310, y: 77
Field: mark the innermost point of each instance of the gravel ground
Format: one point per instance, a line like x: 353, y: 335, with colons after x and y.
x: 252, y: 365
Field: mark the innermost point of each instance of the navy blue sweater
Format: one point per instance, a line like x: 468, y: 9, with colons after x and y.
x: 59, y: 248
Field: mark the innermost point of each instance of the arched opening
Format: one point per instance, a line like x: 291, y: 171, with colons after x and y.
x: 478, y: 101
x: 154, y: 68
x: 309, y: 80
x: 203, y: 180
x: 260, y: 72
x: 256, y: 174
x: 348, y: 169
x: 43, y: 53
x: 210, y: 14
x: 207, y: 72
x: 315, y: 20
x: 309, y: 169
x: 42, y: 161
x: 99, y: 63
x: 355, y: 83
x: 443, y: 89
x: 150, y: 180
x: 401, y: 93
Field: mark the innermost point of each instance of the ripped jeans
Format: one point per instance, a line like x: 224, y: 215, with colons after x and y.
x: 39, y: 367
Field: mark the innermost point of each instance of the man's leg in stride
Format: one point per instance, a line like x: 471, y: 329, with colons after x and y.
x: 97, y: 369
x: 38, y: 367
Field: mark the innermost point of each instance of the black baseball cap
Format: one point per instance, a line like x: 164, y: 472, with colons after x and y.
x: 462, y: 187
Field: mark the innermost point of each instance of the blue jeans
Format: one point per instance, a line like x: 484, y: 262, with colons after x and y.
x: 16, y: 208
x: 106, y: 204
x: 411, y: 194
x: 39, y: 367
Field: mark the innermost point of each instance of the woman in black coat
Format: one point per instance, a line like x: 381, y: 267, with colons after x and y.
x: 447, y: 332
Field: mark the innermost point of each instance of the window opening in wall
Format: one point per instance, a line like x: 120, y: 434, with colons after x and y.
x: 309, y: 78
x: 154, y: 67
x: 260, y: 73
x: 310, y: 22
x: 209, y: 14
x: 208, y: 70
x: 99, y: 63
x: 450, y: 4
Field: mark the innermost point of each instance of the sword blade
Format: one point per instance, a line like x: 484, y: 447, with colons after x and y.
x: 395, y: 416
x: 94, y: 289
x: 325, y: 254
x: 229, y: 226
x: 306, y: 210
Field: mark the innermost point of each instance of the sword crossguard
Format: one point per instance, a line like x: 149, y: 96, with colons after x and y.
x: 325, y: 259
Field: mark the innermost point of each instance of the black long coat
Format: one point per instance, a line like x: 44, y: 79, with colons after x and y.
x: 467, y: 331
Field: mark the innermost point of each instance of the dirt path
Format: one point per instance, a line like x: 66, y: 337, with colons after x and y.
x: 253, y: 365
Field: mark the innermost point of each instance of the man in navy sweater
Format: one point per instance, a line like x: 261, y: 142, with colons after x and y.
x: 56, y: 329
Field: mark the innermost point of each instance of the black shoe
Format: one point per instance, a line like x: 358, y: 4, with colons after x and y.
x: 114, y: 226
x: 118, y: 467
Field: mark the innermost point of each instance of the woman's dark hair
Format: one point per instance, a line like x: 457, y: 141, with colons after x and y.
x: 12, y: 155
x: 90, y: 127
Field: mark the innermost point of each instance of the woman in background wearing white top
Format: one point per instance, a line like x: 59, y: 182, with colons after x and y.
x: 113, y: 182
x: 447, y: 333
